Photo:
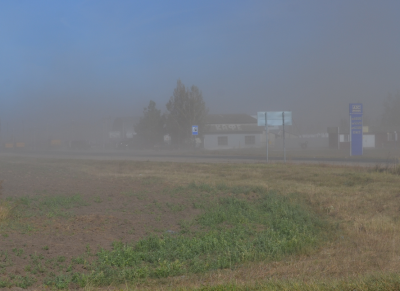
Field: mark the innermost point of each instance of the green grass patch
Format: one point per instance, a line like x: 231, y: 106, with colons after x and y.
x: 49, y: 206
x: 236, y: 225
x: 17, y: 281
x: 230, y: 231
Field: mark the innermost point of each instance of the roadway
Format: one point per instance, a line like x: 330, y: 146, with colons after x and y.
x: 193, y: 157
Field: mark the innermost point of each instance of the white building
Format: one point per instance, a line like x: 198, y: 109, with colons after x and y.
x: 232, y: 131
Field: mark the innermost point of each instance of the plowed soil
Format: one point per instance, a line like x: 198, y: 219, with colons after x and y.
x: 111, y: 208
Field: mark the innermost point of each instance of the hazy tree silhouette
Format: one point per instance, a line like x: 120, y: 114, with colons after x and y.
x: 391, y: 113
x: 185, y: 108
x: 151, y: 127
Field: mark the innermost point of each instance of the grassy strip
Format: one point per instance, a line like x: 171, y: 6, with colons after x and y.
x: 4, y: 211
x: 231, y: 231
x: 17, y: 281
x: 50, y: 206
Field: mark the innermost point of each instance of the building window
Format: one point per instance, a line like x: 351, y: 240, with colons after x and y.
x: 222, y: 140
x: 249, y: 139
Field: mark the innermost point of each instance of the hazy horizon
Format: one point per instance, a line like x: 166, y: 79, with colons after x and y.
x: 88, y: 60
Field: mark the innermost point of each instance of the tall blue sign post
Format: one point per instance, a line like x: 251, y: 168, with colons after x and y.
x: 356, y: 129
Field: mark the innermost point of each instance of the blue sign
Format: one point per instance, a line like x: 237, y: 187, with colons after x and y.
x: 356, y: 129
x: 355, y: 108
x: 195, y: 130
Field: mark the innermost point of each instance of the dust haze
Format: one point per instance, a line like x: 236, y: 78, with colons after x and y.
x: 70, y: 71
x: 199, y: 145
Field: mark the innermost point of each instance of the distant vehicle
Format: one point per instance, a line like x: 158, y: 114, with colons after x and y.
x: 79, y: 145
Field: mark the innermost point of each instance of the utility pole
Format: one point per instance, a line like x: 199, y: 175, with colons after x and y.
x: 283, y: 129
x: 266, y: 133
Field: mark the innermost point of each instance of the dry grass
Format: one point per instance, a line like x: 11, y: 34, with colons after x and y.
x: 362, y: 203
x: 389, y: 155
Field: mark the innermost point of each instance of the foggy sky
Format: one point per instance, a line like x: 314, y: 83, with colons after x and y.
x: 71, y: 60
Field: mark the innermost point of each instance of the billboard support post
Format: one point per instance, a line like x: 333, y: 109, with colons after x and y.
x: 274, y: 118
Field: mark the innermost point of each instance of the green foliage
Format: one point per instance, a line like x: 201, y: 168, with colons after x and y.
x: 151, y: 126
x: 5, y: 260
x: 186, y: 108
x: 61, y: 201
x: 229, y: 232
x: 78, y: 260
x: 50, y: 206
x: 36, y: 266
x: 18, y: 281
x: 175, y: 207
x: 17, y: 252
x: 59, y: 282
x: 237, y: 225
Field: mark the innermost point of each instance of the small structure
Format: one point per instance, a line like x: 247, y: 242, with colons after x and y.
x: 232, y: 131
x: 368, y: 139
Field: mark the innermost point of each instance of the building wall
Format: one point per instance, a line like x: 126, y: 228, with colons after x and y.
x: 235, y: 141
x: 368, y: 141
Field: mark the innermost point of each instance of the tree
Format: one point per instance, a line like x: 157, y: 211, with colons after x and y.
x: 185, y: 108
x: 344, y: 125
x: 151, y: 127
x: 391, y: 116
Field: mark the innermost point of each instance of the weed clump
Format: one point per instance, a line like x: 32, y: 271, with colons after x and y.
x: 48, y: 206
x: 388, y: 168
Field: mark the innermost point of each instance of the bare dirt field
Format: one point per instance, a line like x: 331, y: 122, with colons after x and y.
x: 69, y: 209
x: 56, y: 215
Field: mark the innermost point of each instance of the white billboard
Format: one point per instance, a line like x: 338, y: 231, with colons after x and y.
x: 274, y: 118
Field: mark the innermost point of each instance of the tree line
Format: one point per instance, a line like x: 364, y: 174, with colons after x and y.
x: 185, y: 108
x: 391, y: 115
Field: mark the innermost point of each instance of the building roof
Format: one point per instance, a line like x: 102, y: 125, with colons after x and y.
x: 232, y: 118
